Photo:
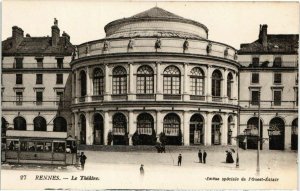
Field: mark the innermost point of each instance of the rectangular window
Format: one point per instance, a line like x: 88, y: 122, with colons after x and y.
x: 39, y: 62
x: 39, y: 79
x: 277, y: 62
x: 254, y: 97
x: 255, y: 78
x: 255, y: 61
x: 60, y: 62
x: 19, y: 63
x: 19, y: 79
x: 277, y: 78
x: 19, y: 98
x: 39, y: 98
x: 277, y: 97
x: 59, y: 79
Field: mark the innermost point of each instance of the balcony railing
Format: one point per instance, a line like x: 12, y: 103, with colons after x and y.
x: 50, y: 104
x: 172, y: 97
x: 268, y: 104
x: 118, y: 131
x: 145, y: 96
x: 217, y: 98
x: 82, y: 99
x: 144, y: 131
x: 197, y: 97
x: 171, y: 131
x: 119, y: 97
x: 97, y: 98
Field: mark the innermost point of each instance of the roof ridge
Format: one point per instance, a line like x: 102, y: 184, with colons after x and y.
x: 156, y: 12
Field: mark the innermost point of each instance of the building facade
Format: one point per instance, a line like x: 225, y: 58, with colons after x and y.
x: 269, y: 79
x: 35, y: 91
x: 155, y: 77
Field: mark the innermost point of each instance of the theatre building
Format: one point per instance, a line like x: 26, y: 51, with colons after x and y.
x: 35, y: 94
x: 154, y: 75
x: 269, y: 81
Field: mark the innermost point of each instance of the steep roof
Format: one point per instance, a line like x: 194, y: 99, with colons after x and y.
x: 155, y: 13
x: 37, y: 46
x: 276, y: 43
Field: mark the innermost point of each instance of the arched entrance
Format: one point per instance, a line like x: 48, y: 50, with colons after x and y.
x: 276, y: 137
x: 98, y: 129
x: 19, y: 123
x: 120, y: 135
x: 216, y: 130
x: 145, y: 129
x: 196, y: 129
x: 60, y: 124
x: 252, y: 137
x: 295, y: 134
x: 172, y: 129
x: 82, y: 127
x: 40, y: 124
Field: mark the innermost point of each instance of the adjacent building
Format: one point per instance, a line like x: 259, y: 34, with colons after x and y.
x: 269, y: 80
x: 36, y: 85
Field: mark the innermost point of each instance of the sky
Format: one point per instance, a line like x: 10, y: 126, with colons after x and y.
x: 231, y: 23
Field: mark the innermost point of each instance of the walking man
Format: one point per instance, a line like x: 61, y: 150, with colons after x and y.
x: 200, y: 156
x: 82, y: 160
x: 179, y: 160
x: 204, y: 157
x: 142, y: 170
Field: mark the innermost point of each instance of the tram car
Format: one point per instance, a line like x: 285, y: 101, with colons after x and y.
x: 56, y: 149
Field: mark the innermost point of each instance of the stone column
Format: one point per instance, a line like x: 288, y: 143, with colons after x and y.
x: 76, y: 127
x: 224, y: 129
x: 131, y: 93
x: 208, y: 129
x: 224, y: 86
x: 186, y: 134
x: 288, y: 137
x: 106, y: 126
x: 159, y: 82
x: 89, y: 129
x: 88, y: 85
x: 208, y: 84
x: 107, y: 83
x: 131, y: 127
x: 185, y: 83
x: 77, y: 84
x: 159, y: 123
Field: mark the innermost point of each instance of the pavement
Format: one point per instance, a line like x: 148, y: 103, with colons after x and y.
x: 115, y: 170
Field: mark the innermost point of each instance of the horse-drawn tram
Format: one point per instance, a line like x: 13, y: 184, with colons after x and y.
x: 46, y: 148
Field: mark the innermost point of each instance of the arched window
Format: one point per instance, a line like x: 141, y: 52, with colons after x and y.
x: 82, y: 127
x: 216, y: 83
x: 98, y: 82
x: 171, y: 80
x: 39, y: 124
x: 119, y: 80
x: 145, y: 124
x: 197, y: 81
x: 229, y: 85
x: 197, y: 129
x: 171, y: 125
x: 98, y: 129
x: 145, y: 80
x: 60, y: 124
x: 252, y: 128
x: 19, y: 123
x: 119, y: 124
x: 82, y: 83
x: 216, y: 130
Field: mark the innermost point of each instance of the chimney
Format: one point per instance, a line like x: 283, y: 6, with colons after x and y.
x: 263, y: 35
x: 64, y: 34
x: 17, y: 34
x: 55, y: 33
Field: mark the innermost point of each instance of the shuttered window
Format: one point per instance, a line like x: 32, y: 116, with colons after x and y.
x: 277, y: 97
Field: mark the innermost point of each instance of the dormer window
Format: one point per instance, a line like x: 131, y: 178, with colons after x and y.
x: 277, y: 62
x: 60, y: 62
x: 39, y: 62
x: 19, y: 63
x: 255, y: 61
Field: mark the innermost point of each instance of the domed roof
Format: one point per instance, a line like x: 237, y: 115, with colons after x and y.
x: 155, y: 13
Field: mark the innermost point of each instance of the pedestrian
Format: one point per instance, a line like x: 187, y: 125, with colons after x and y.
x: 200, y: 156
x: 82, y: 160
x: 142, y: 170
x: 179, y: 160
x: 204, y: 157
